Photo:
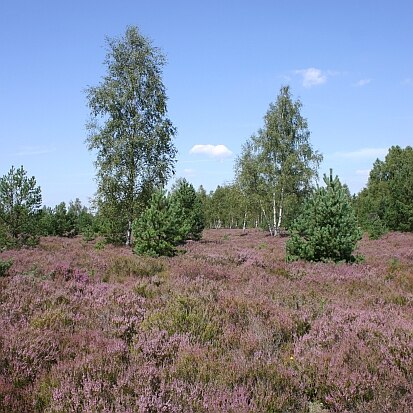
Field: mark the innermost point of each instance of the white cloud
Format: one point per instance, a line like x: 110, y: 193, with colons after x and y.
x: 189, y: 172
x: 364, y: 153
x: 34, y: 150
x: 214, y: 151
x: 312, y: 76
x: 408, y: 81
x: 363, y: 172
x: 363, y: 82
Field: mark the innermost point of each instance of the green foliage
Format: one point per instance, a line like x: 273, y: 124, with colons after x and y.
x: 327, y: 230
x: 100, y: 245
x: 5, y: 239
x: 278, y: 164
x: 226, y: 207
x: 5, y: 265
x: 63, y: 221
x: 375, y: 227
x: 388, y: 196
x: 127, y: 266
x: 111, y: 222
x: 130, y: 131
x: 80, y: 217
x: 169, y: 221
x: 157, y: 231
x: 146, y: 289
x: 186, y: 314
x: 55, y: 221
x: 20, y: 201
x: 189, y: 209
x: 88, y: 234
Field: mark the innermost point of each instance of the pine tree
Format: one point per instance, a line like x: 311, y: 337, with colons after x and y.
x: 155, y: 231
x: 20, y: 201
x: 327, y: 229
x: 190, y: 215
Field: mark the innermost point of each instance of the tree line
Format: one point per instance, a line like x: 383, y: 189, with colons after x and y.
x: 275, y: 185
x: 385, y: 204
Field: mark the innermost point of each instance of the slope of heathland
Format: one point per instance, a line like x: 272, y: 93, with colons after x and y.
x: 226, y: 326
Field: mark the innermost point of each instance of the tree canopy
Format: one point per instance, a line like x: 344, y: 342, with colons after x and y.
x: 130, y: 130
x: 327, y: 229
x: 388, y: 197
x: 278, y: 164
x: 20, y: 201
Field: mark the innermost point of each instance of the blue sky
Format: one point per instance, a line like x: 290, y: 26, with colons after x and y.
x: 350, y: 62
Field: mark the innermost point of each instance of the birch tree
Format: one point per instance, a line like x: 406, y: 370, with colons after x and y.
x: 130, y: 131
x: 278, y: 164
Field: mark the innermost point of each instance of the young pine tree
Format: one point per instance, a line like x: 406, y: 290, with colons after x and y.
x: 188, y: 205
x: 327, y: 229
x: 20, y: 201
x: 157, y: 232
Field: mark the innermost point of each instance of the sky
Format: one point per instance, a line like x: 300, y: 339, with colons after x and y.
x: 349, y: 62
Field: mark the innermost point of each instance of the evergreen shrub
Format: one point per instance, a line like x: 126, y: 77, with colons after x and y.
x: 157, y: 231
x: 327, y: 230
x: 169, y: 221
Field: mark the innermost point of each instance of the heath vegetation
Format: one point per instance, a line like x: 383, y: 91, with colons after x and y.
x: 228, y: 326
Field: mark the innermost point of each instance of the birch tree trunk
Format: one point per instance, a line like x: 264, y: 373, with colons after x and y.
x: 268, y: 222
x: 244, y: 225
x: 280, y: 212
x: 274, y: 211
x: 129, y: 234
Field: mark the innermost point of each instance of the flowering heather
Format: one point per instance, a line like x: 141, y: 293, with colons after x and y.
x: 226, y: 326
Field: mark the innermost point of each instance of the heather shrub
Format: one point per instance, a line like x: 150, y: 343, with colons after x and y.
x: 185, y: 314
x: 144, y: 289
x: 273, y: 384
x: 158, y: 347
x: 100, y: 244
x: 228, y: 328
x: 327, y: 230
x: 117, y: 378
x: 197, y: 364
x: 28, y: 353
x: 357, y: 361
x: 52, y: 318
x: 124, y: 266
x: 66, y: 272
x: 89, y: 383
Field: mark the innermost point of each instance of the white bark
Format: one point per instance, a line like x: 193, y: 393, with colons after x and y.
x: 244, y: 225
x: 129, y: 234
x: 280, y: 212
x: 274, y: 209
